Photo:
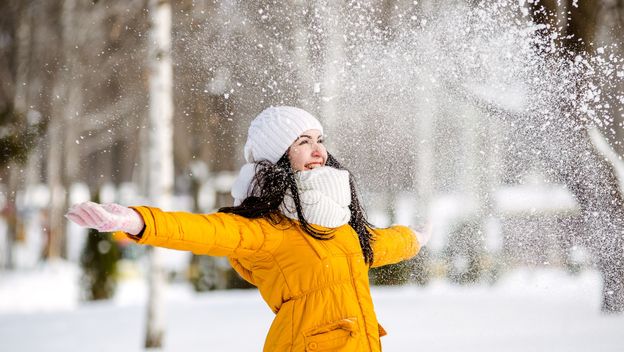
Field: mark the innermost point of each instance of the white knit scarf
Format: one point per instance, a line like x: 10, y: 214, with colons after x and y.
x: 324, y: 194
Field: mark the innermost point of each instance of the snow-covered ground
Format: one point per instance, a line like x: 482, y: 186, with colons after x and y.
x: 528, y: 310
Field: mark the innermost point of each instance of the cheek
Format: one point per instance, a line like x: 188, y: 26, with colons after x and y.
x: 295, y: 156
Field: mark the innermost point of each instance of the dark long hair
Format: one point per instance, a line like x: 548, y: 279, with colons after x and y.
x: 270, y: 184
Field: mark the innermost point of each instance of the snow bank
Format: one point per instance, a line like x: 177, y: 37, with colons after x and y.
x: 527, y: 310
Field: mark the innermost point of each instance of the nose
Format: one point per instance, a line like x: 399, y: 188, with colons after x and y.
x: 316, y: 151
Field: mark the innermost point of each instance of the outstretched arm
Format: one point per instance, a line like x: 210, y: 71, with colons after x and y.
x: 215, y: 234
x: 395, y: 244
x: 106, y: 217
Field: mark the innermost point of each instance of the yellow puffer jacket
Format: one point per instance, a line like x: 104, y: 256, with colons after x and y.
x: 318, y: 290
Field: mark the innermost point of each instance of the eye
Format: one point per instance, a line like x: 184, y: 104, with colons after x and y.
x: 321, y: 141
x: 303, y: 141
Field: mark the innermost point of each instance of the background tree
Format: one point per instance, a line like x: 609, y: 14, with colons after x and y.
x: 20, y: 127
x: 99, y: 261
x: 160, y: 151
x: 599, y: 196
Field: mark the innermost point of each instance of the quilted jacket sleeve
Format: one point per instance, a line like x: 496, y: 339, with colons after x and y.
x: 394, y: 244
x: 216, y: 234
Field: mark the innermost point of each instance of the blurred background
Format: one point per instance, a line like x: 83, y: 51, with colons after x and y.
x: 499, y: 123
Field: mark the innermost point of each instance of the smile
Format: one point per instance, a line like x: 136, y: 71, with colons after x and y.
x: 313, y: 165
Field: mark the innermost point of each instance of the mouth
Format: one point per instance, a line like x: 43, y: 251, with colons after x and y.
x: 314, y: 165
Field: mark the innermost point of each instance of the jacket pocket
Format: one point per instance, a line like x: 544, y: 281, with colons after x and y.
x: 332, y: 336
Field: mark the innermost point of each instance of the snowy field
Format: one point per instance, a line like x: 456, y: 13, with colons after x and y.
x: 528, y: 310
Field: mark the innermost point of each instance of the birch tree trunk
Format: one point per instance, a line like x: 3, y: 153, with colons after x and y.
x: 54, y: 226
x: 66, y: 108
x: 160, y: 177
x: 55, y: 221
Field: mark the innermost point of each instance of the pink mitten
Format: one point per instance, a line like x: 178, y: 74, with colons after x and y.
x: 106, y: 217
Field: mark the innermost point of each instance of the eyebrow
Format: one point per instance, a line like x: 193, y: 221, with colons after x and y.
x: 305, y: 135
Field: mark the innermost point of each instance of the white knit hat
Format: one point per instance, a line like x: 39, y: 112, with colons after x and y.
x: 274, y: 130
x: 270, y: 134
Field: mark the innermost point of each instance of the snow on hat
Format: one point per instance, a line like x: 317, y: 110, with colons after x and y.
x: 270, y: 134
x: 274, y: 130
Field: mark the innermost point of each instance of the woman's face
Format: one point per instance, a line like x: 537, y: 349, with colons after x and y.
x: 307, y: 152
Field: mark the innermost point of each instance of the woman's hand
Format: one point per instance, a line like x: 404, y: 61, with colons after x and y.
x: 424, y: 235
x: 106, y: 217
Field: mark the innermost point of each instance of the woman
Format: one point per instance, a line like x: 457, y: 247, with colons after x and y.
x: 296, y: 231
